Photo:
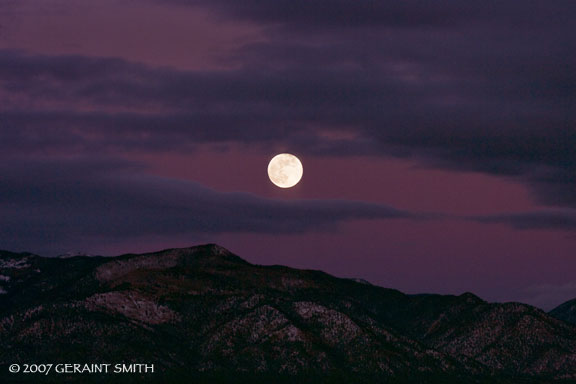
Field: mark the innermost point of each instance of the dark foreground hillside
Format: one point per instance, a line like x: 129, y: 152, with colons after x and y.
x: 202, y: 314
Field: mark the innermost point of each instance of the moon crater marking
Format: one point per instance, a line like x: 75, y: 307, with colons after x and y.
x: 285, y: 170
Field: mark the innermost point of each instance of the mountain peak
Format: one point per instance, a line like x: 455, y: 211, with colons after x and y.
x: 565, y: 311
x: 200, y: 255
x: 471, y: 298
x: 216, y: 249
x: 211, y: 252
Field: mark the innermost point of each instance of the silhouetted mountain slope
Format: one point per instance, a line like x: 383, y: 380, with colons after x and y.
x: 565, y: 311
x: 205, y: 314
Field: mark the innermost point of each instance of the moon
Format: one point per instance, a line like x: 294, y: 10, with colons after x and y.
x: 285, y: 170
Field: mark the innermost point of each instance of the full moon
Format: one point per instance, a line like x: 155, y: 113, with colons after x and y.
x: 285, y: 170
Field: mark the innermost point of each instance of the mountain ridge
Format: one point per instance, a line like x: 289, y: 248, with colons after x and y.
x: 204, y: 313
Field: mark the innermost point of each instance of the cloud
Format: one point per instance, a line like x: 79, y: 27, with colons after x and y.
x: 467, y: 87
x: 84, y: 103
x: 564, y: 219
x: 78, y: 200
x: 350, y: 13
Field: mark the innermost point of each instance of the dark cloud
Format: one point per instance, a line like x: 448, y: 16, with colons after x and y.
x: 370, y: 13
x: 564, y: 219
x: 82, y: 200
x: 474, y: 87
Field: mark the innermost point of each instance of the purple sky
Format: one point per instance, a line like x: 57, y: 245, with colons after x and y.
x: 437, y: 137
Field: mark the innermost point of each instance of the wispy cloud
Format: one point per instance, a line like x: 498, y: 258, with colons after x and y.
x: 543, y: 219
x: 68, y: 202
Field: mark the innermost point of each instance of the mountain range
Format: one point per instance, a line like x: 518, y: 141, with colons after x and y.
x: 204, y: 315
